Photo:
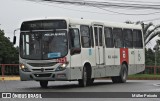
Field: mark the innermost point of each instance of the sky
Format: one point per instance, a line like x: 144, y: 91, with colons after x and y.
x: 14, y: 12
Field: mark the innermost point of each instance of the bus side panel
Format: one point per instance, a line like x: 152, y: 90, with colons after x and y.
x: 117, y: 66
x: 109, y: 61
x: 139, y: 60
x: 89, y: 56
x: 76, y: 67
x: 132, y: 66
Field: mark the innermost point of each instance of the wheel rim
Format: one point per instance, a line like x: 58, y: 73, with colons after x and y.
x: 85, y: 77
x: 124, y: 74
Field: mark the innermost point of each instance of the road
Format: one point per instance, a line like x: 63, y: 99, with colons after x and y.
x: 98, y: 86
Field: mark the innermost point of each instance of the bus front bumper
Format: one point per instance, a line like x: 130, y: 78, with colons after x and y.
x: 48, y: 76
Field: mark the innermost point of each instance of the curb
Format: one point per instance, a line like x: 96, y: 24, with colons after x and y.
x: 9, y: 78
x: 145, y: 78
x: 129, y: 78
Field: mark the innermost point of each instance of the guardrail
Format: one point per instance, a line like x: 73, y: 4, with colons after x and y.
x: 152, y: 70
x: 9, y: 70
x: 13, y: 70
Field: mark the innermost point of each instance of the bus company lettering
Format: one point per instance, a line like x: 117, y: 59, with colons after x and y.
x: 112, y: 57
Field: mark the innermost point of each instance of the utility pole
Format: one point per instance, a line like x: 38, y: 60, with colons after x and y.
x: 156, y: 48
x: 155, y: 58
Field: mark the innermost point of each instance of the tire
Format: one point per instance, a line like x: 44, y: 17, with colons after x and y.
x: 123, y: 75
x: 115, y: 79
x: 83, y: 81
x: 43, y: 84
x: 90, y: 81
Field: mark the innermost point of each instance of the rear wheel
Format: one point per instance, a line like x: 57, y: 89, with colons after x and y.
x: 43, y: 84
x: 123, y: 75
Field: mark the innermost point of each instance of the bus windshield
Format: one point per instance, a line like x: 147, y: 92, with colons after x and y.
x: 43, y: 44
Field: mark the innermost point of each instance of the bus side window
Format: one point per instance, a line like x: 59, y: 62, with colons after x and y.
x: 74, y: 41
x: 108, y: 37
x: 96, y: 35
x: 118, y: 37
x: 137, y: 39
x: 100, y: 37
x: 128, y: 38
x: 85, y: 36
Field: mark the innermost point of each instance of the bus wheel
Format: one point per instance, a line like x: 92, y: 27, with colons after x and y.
x: 43, y: 84
x: 83, y: 81
x: 123, y: 75
x: 90, y: 81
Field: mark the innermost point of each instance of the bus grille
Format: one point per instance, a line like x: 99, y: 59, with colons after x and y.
x: 43, y: 75
x: 42, y: 64
x: 50, y: 69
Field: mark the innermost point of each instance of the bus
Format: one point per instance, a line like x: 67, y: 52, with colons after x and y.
x: 67, y: 49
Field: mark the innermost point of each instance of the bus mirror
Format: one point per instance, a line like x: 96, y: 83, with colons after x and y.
x: 14, y: 40
x: 75, y: 51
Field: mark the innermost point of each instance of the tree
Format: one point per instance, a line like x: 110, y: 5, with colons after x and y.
x: 149, y: 57
x: 149, y: 31
x: 8, y: 53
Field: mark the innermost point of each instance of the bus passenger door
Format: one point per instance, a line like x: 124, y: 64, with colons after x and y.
x: 99, y: 48
x: 99, y: 45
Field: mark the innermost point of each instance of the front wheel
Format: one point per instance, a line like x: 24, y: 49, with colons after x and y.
x: 43, y: 84
x: 123, y: 75
x: 83, y: 81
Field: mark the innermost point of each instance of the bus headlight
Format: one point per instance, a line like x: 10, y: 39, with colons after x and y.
x: 24, y: 68
x: 21, y: 66
x: 61, y: 67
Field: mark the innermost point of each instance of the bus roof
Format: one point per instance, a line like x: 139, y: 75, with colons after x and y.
x: 105, y: 23
x: 91, y: 22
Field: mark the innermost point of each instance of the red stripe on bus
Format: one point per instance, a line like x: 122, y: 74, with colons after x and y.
x: 62, y: 60
x: 124, y: 55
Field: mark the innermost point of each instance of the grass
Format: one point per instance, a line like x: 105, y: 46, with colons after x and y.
x: 144, y: 76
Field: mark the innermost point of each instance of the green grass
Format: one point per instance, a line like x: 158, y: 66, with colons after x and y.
x: 144, y: 76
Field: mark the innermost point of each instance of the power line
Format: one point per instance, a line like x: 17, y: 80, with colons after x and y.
x: 135, y: 1
x: 152, y: 19
x: 126, y: 5
x: 126, y: 13
x: 84, y: 4
x: 70, y: 9
x: 109, y: 4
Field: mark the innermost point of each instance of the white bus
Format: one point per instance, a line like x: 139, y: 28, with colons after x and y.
x: 66, y: 49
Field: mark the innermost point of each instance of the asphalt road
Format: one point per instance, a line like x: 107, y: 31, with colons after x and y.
x: 98, y: 86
